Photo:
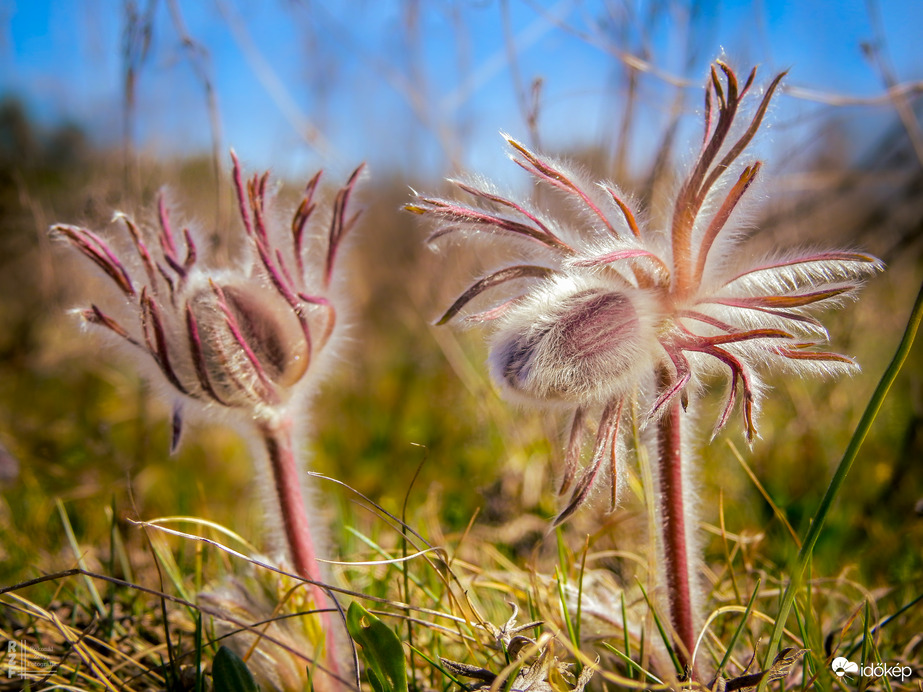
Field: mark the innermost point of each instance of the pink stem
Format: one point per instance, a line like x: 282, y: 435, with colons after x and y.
x: 673, y: 528
x: 299, y: 541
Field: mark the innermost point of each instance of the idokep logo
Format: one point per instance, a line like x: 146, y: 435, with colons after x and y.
x: 843, y: 667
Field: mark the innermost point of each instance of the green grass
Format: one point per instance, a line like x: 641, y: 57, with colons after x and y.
x: 411, y: 421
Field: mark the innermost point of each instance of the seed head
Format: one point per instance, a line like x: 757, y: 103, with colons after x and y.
x: 608, y: 309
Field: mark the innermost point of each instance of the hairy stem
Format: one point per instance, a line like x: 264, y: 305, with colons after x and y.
x: 673, y: 514
x: 298, y: 538
x: 287, y: 485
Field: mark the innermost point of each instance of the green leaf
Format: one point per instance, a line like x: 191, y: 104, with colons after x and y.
x: 383, y: 650
x: 740, y: 627
x: 667, y: 642
x: 230, y: 673
x: 839, y: 477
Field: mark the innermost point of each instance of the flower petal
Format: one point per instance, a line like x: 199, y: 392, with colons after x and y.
x: 495, y: 279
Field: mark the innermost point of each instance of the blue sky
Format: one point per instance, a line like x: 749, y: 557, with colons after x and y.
x: 419, y: 92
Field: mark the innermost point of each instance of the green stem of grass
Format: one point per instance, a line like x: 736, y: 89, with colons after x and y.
x: 678, y: 666
x: 740, y: 628
x: 866, y: 644
x: 627, y: 639
x: 578, y: 666
x: 405, y: 568
x: 631, y: 666
x: 865, y: 424
x: 78, y: 554
x: 568, y: 622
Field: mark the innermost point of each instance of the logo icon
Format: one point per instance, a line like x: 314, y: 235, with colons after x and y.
x: 842, y: 666
x: 24, y: 660
x: 12, y: 651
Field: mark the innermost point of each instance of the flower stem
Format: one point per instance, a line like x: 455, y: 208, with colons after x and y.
x: 287, y: 485
x: 674, y: 536
x: 297, y: 528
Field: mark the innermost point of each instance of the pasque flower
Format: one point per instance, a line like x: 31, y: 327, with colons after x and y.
x: 241, y: 341
x: 606, y: 313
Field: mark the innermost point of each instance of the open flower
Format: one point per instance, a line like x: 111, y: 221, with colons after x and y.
x: 606, y: 310
x: 242, y: 339
x: 609, y: 309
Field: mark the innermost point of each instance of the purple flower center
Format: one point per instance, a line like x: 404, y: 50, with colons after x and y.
x: 594, y: 325
x: 582, y: 347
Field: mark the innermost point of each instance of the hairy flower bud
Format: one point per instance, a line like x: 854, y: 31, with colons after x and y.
x: 277, y: 353
x: 239, y: 337
x: 572, y: 343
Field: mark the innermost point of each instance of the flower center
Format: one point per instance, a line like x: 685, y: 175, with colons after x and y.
x: 582, y: 347
x: 253, y: 344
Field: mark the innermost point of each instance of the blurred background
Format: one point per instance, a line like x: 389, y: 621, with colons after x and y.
x: 103, y: 102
